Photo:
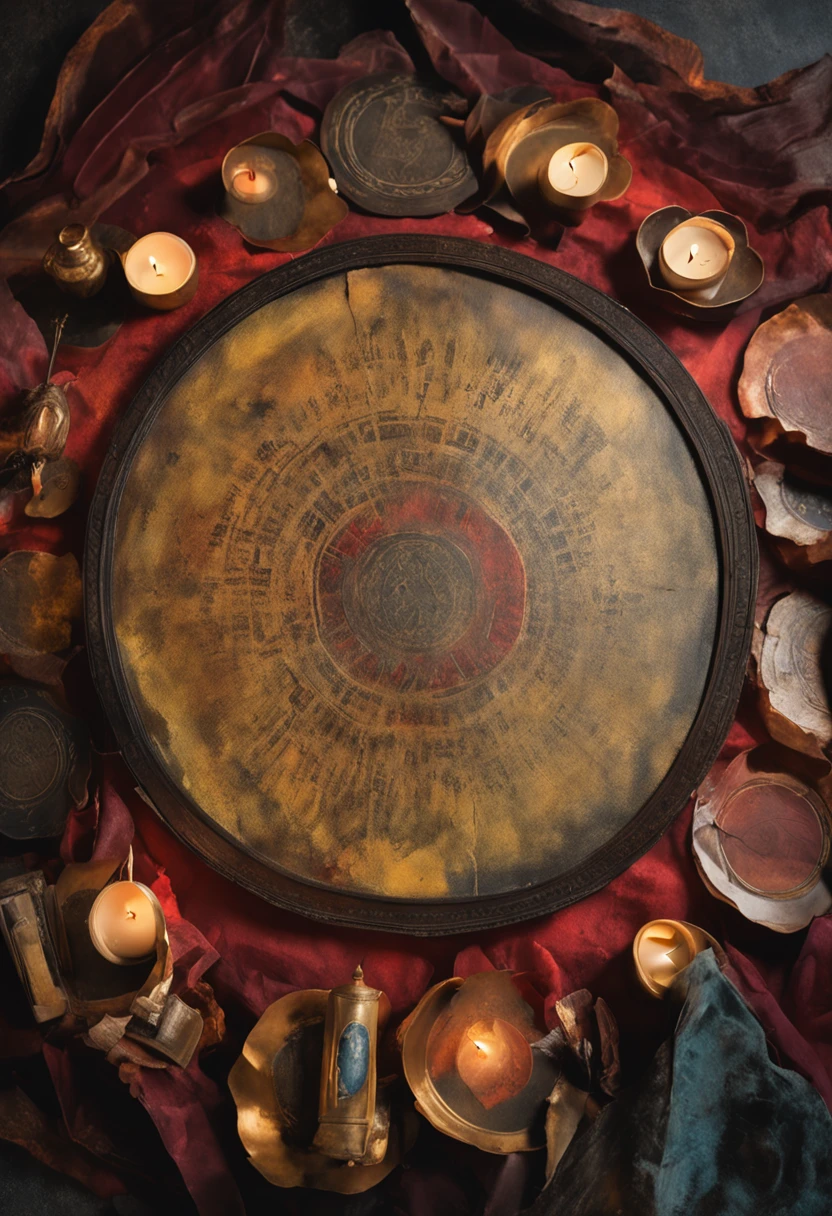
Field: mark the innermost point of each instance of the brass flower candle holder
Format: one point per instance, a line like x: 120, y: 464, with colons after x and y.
x: 161, y: 271
x: 472, y: 1056
x: 699, y: 265
x: 279, y: 195
x: 551, y: 160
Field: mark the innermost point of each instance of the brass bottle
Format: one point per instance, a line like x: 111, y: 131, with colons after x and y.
x: 348, y: 1072
x: 77, y: 262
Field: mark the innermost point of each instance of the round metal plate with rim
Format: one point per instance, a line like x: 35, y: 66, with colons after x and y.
x: 420, y: 582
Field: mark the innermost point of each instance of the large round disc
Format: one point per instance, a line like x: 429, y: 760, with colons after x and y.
x: 419, y: 586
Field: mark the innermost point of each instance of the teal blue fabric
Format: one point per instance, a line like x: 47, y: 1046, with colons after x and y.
x: 713, y: 1129
x: 741, y: 1131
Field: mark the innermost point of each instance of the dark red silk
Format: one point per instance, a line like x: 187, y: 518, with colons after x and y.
x: 148, y: 104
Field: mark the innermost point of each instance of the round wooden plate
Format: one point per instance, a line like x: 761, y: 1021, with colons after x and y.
x: 420, y: 581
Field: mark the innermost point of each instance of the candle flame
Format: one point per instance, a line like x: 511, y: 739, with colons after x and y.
x: 694, y: 249
x: 154, y: 264
x: 480, y: 1047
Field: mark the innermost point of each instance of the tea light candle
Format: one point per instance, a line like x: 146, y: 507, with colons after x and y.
x: 575, y: 174
x: 123, y: 922
x: 696, y: 254
x: 161, y: 270
x: 663, y: 948
x: 494, y: 1060
x: 252, y: 185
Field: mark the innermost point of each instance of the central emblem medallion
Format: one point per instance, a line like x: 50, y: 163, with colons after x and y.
x: 420, y: 591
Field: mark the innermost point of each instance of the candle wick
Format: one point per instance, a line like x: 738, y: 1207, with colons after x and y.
x: 252, y: 176
x: 130, y: 914
x: 152, y: 261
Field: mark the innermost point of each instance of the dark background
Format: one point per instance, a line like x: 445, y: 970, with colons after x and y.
x: 745, y: 42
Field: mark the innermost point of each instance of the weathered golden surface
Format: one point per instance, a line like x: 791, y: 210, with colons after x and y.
x: 415, y: 585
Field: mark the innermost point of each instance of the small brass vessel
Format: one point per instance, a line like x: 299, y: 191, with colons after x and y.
x: 348, y: 1074
x: 77, y: 262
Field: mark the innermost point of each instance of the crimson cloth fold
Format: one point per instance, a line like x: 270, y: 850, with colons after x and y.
x: 147, y: 104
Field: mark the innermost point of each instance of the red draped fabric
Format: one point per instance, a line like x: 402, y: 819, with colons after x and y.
x: 147, y: 105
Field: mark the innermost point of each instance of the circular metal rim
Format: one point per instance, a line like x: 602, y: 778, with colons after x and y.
x: 722, y: 475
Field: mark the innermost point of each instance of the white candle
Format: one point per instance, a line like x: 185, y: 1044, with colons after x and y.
x: 579, y: 170
x: 122, y: 922
x: 161, y: 270
x: 663, y: 949
x: 696, y: 255
x: 251, y: 184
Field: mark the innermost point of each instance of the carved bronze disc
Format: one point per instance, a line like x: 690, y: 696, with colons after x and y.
x: 419, y: 586
x: 44, y: 762
x: 388, y: 150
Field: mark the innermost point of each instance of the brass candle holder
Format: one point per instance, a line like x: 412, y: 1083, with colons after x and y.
x: 472, y: 1057
x: 279, y: 195
x: 62, y: 970
x: 550, y: 159
x: 712, y: 297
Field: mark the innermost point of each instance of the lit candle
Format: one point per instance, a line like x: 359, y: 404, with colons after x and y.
x: 494, y: 1060
x: 574, y: 175
x: 251, y: 184
x: 123, y: 922
x: 663, y: 948
x: 695, y: 255
x: 161, y: 270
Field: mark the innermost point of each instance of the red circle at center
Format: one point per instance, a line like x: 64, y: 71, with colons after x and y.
x: 419, y: 591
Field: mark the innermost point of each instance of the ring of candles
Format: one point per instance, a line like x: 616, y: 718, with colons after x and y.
x: 696, y: 254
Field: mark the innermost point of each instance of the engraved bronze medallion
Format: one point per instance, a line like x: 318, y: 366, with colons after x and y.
x: 419, y: 586
x: 44, y: 762
x: 388, y: 150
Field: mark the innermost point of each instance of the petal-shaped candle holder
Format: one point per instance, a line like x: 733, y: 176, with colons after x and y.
x: 472, y: 1056
x: 744, y: 275
x: 299, y: 208
x: 518, y: 151
x: 275, y: 1084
